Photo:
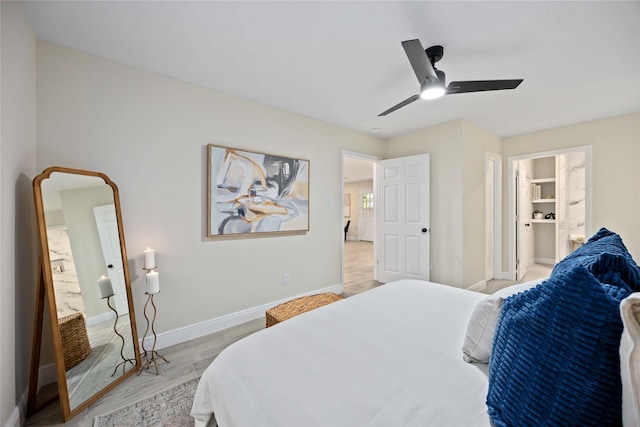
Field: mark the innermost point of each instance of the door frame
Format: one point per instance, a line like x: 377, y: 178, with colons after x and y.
x: 523, y: 214
x: 511, y: 207
x: 496, y: 201
x: 374, y: 159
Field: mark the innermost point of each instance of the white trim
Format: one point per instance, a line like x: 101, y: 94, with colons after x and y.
x: 47, y: 374
x: 511, y: 204
x: 91, y: 321
x: 497, y: 212
x: 478, y: 287
x: 547, y: 261
x: 14, y: 419
x: 197, y: 330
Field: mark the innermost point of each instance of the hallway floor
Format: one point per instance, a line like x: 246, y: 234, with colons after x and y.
x: 358, y: 267
x: 535, y: 271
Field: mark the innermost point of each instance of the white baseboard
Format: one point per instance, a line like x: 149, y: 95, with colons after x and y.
x: 197, y: 330
x: 47, y: 373
x: 545, y: 261
x: 15, y: 418
x: 100, y: 318
x: 478, y: 287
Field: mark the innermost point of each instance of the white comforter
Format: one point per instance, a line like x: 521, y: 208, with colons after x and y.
x: 387, y: 357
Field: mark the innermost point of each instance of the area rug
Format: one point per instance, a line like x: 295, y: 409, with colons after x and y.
x: 167, y: 408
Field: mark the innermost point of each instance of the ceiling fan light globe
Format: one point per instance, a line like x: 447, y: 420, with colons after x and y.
x: 432, y: 92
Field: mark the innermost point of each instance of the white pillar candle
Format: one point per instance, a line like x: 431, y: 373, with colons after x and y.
x: 149, y: 258
x: 153, y: 282
x: 106, y: 290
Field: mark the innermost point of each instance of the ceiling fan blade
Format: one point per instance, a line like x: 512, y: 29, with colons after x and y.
x: 419, y: 60
x: 400, y: 105
x: 481, y: 85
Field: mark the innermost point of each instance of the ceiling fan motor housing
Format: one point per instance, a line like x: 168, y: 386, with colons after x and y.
x: 435, y: 53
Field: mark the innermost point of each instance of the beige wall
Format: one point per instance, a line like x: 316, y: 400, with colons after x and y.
x: 149, y: 133
x: 457, y: 196
x: 445, y: 145
x: 476, y: 141
x: 18, y: 253
x: 615, y: 146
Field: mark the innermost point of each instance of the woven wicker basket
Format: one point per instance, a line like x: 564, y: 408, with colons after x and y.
x: 297, y: 306
x: 75, y: 341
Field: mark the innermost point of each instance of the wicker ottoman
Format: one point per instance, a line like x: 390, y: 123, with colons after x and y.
x: 75, y: 341
x: 297, y: 306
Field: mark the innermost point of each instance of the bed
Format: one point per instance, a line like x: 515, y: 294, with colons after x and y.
x: 425, y: 354
x: 354, y: 363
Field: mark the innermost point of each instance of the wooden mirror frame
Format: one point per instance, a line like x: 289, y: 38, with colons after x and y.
x: 45, y: 283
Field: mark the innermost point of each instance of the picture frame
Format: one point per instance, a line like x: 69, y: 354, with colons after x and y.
x: 251, y: 193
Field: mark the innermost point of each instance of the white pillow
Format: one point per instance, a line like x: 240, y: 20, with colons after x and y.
x: 630, y: 360
x: 482, y: 323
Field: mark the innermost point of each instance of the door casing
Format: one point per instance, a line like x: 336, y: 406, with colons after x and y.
x: 511, y: 202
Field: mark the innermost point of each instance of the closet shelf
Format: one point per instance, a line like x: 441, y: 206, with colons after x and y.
x: 542, y: 180
x: 543, y: 221
x: 543, y: 201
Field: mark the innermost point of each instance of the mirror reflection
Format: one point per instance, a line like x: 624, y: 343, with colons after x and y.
x: 88, y: 277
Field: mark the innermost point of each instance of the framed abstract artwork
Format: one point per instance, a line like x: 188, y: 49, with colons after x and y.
x: 253, y: 194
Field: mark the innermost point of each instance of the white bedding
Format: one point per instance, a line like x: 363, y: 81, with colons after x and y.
x: 387, y: 357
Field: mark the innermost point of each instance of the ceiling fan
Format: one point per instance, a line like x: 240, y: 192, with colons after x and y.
x: 432, y: 80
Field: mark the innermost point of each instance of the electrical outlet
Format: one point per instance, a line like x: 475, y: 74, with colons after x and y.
x: 285, y: 278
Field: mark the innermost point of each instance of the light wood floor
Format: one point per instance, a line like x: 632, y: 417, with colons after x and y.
x: 535, y: 271
x: 358, y: 267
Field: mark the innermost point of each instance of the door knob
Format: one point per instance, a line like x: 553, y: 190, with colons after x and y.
x: 424, y: 230
x: 110, y: 266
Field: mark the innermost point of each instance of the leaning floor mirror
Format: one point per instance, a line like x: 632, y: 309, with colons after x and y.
x: 85, y: 277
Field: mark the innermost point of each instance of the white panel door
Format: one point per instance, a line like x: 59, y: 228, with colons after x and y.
x: 523, y: 215
x: 403, y: 218
x: 107, y: 224
x: 366, y: 218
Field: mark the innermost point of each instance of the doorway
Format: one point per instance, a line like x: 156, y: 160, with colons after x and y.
x: 400, y: 206
x: 359, y: 242
x: 549, y: 207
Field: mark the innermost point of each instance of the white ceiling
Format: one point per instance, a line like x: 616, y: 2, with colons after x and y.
x: 342, y: 62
